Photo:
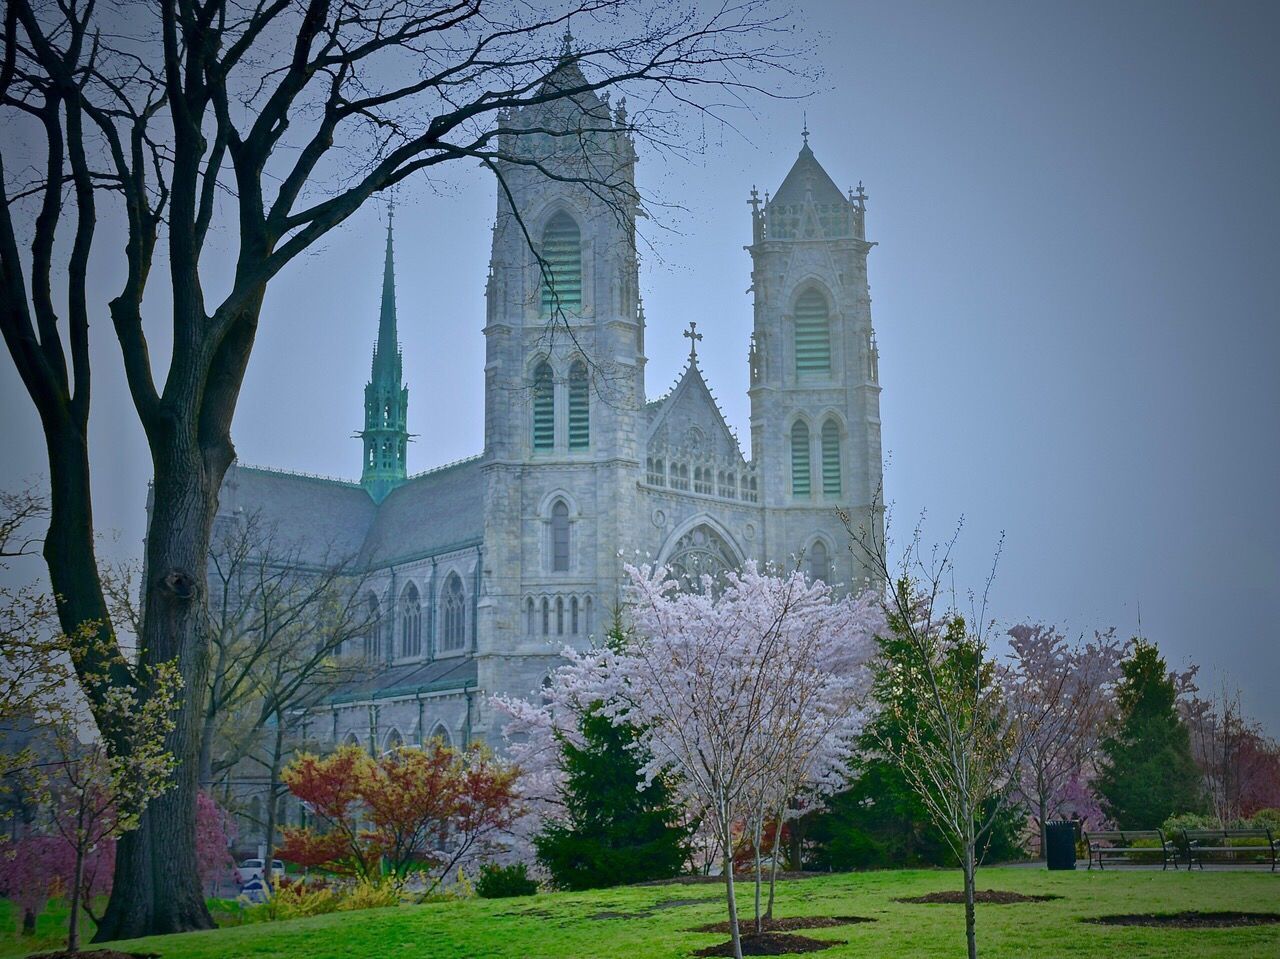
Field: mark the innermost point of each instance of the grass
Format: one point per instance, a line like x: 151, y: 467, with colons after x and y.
x: 559, y: 925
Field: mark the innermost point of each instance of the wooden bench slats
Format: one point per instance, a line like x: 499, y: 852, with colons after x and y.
x: 1194, y: 841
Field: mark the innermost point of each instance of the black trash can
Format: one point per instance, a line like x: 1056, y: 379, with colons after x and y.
x: 1060, y: 844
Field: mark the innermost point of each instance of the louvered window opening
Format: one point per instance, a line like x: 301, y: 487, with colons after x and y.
x: 813, y: 334
x: 562, y: 256
x: 800, y: 485
x: 831, y: 458
x: 544, y: 408
x: 579, y: 408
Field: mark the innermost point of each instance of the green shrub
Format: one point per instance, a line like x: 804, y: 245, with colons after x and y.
x: 1266, y: 819
x: 369, y: 895
x: 502, y: 882
x: 295, y: 900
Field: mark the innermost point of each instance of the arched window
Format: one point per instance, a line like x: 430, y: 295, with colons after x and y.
x: 442, y: 734
x: 453, y: 604
x: 573, y: 615
x: 393, y: 741
x: 831, y: 458
x: 560, y: 537
x: 579, y: 407
x: 546, y: 616
x: 819, y: 562
x: 559, y: 615
x: 544, y: 407
x: 731, y: 486
x: 813, y: 333
x: 410, y: 622
x: 532, y: 621
x: 800, y: 484
x: 562, y: 253
x: 586, y: 616
x: 373, y: 636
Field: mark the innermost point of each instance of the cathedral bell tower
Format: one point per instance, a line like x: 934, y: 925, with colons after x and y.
x: 564, y: 367
x: 815, y: 390
x: 386, y: 398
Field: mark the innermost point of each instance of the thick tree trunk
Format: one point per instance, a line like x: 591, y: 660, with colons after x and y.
x: 77, y: 886
x: 157, y: 885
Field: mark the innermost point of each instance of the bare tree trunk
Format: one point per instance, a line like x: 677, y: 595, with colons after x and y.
x: 773, y: 869
x: 273, y: 785
x: 157, y: 885
x: 735, y: 935
x: 77, y: 885
x: 756, y: 840
x: 970, y: 915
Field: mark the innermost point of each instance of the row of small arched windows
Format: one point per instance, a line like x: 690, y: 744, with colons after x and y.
x: 706, y: 480
x: 558, y: 616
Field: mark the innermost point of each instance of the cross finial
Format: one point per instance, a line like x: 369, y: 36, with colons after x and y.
x: 805, y: 132
x: 566, y: 47
x: 693, y: 335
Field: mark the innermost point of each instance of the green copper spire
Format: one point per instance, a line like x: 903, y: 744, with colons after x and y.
x: 386, y: 398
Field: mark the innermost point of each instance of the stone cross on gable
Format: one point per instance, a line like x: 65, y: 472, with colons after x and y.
x: 693, y: 335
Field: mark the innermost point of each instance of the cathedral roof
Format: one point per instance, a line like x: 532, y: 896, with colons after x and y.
x: 691, y: 402
x: 454, y: 672
x: 428, y: 514
x: 807, y: 176
x: 324, y: 519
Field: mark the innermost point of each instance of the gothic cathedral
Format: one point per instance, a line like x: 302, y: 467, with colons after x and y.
x: 480, y: 571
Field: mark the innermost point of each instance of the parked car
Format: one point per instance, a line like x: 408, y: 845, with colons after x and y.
x: 252, y: 869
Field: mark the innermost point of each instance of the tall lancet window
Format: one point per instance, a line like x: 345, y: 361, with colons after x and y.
x: 453, y: 606
x: 579, y: 407
x: 562, y: 266
x: 819, y: 562
x: 410, y: 622
x: 544, y: 407
x: 560, y: 537
x: 800, y: 483
x: 813, y: 333
x: 831, y: 458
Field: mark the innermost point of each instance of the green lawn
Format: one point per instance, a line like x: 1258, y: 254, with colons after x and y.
x: 561, y: 925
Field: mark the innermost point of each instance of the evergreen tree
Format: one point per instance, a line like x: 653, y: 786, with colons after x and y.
x: 1147, y: 773
x: 615, y: 832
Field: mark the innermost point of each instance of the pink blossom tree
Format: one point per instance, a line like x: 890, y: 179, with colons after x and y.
x: 215, y: 832
x: 1061, y: 696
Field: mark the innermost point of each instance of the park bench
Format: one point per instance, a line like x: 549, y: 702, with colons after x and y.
x: 1242, y: 847
x: 1130, y: 845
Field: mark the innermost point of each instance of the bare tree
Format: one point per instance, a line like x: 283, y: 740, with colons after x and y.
x: 278, y: 120
x: 961, y: 743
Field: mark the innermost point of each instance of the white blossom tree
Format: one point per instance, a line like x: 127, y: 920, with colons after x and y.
x: 746, y: 697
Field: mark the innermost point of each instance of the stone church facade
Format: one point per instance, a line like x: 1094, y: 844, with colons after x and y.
x: 480, y: 571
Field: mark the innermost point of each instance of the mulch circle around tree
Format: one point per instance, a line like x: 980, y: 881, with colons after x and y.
x: 97, y: 954
x: 1190, y: 920
x: 786, y: 923
x: 771, y: 944
x: 995, y: 897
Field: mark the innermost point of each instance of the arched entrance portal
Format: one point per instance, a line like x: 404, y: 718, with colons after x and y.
x: 700, y: 550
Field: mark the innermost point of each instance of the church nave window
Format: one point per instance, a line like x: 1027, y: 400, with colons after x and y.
x: 410, y: 622
x: 813, y: 333
x: 831, y: 458
x: 560, y: 537
x: 818, y: 561
x: 579, y: 407
x: 453, y: 605
x: 562, y: 266
x: 573, y: 615
x: 530, y: 617
x: 546, y: 616
x: 373, y: 637
x: 559, y: 615
x: 702, y: 479
x: 800, y: 483
x: 544, y: 408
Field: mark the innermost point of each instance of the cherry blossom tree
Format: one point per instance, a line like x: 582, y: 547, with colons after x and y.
x: 746, y: 695
x: 215, y: 832
x: 1062, y: 695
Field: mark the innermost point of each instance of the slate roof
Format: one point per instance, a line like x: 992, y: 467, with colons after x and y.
x: 439, y: 674
x: 428, y: 514
x: 323, y: 518
x: 330, y: 520
x: 805, y: 174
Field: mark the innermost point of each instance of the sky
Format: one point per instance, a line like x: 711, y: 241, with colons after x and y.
x: 1077, y: 215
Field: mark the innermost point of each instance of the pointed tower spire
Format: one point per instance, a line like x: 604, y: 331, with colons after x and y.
x: 386, y: 399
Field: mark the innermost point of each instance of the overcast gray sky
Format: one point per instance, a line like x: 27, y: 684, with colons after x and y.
x: 1078, y: 212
